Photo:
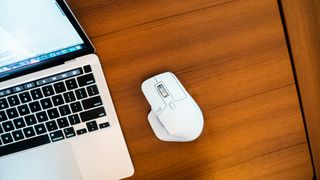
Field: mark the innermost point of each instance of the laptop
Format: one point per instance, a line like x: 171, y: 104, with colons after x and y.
x: 57, y: 119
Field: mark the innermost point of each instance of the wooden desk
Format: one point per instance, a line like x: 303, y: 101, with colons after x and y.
x: 232, y: 57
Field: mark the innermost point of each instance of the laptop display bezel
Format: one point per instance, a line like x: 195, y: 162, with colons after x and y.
x: 87, y: 49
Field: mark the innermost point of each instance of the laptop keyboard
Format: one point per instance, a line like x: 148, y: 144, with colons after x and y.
x: 50, y: 109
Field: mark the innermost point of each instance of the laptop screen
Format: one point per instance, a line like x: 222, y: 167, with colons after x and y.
x: 33, y: 32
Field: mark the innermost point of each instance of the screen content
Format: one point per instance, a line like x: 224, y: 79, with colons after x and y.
x: 33, y: 31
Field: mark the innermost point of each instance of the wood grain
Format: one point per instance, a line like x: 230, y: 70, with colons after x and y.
x: 303, y: 24
x: 232, y: 58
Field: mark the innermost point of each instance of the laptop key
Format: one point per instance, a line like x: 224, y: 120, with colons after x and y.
x: 1, y: 130
x: 76, y: 107
x: 59, y: 87
x: 92, y: 102
x: 46, y: 103
x: 12, y: 113
x: 56, y: 136
x: 53, y: 113
x: 35, y: 106
x: 92, y: 126
x: 81, y: 93
x: 36, y: 94
x: 8, y: 126
x: 81, y: 131
x: 69, y: 132
x: 92, y: 90
x: 57, y: 100
x: 104, y: 125
x: 13, y: 100
x: 51, y: 125
x: 24, y: 145
x: 30, y: 120
x: 71, y: 84
x: 64, y: 110
x: 63, y: 122
x: 40, y: 129
x: 87, y: 68
x: 42, y: 116
x: 74, y: 119
x: 3, y: 116
x: 86, y: 80
x: 17, y: 135
x: 69, y: 97
x: 3, y: 103
x: 23, y: 110
x: 29, y: 132
x: 19, y: 123
x: 25, y: 97
x: 92, y: 114
x: 48, y: 90
x: 6, y: 138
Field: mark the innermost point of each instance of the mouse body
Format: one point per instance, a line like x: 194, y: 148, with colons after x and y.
x: 174, y: 115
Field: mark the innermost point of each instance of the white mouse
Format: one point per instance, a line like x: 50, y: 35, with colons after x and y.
x: 174, y: 115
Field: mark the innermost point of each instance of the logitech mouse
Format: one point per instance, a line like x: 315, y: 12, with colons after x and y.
x: 174, y: 115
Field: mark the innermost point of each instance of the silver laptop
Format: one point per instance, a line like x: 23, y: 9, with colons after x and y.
x: 57, y: 119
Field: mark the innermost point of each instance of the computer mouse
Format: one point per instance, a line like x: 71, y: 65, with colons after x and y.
x: 174, y: 115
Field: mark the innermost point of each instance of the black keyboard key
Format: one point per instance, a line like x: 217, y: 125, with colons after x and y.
x: 3, y: 116
x: 92, y: 126
x: 36, y: 94
x: 63, y: 122
x: 92, y: 90
x: 30, y: 120
x: 87, y: 68
x: 56, y: 136
x: 64, y: 110
x: 86, y: 80
x: 74, y: 119
x: 25, y: 97
x: 40, y: 129
x: 6, y: 138
x: 53, y: 113
x: 23, y: 110
x: 69, y: 97
x: 24, y: 145
x: 46, y: 103
x: 8, y: 126
x: 92, y: 102
x: 92, y: 114
x: 42, y: 116
x: 1, y: 130
x: 13, y: 100
x: 12, y: 113
x: 48, y: 90
x: 3, y: 104
x: 17, y: 135
x: 35, y: 106
x: 81, y: 93
x: 76, y: 107
x: 69, y: 132
x: 59, y: 87
x: 104, y: 125
x: 29, y: 132
x: 71, y: 84
x: 57, y: 100
x: 19, y: 123
x: 51, y: 125
x: 81, y: 131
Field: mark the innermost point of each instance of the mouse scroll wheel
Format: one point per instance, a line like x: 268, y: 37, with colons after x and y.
x: 164, y: 93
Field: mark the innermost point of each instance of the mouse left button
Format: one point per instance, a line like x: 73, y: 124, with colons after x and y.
x: 156, y: 102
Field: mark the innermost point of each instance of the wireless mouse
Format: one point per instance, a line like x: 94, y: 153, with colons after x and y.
x: 174, y: 115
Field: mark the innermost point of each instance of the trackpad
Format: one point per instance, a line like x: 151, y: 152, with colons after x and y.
x: 52, y: 163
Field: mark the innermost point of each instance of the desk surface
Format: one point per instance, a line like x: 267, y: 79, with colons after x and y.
x: 232, y: 57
